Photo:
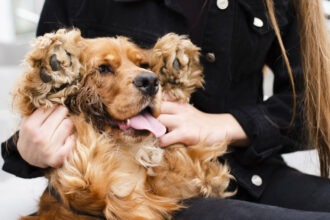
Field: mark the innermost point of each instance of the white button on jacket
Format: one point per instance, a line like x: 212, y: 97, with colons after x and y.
x: 222, y: 4
x: 258, y: 22
x: 256, y: 180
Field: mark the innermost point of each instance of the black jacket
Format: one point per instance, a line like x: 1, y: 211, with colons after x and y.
x: 236, y: 42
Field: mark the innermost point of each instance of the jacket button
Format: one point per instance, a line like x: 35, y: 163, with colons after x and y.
x: 210, y: 57
x: 258, y: 22
x: 256, y: 180
x: 222, y: 4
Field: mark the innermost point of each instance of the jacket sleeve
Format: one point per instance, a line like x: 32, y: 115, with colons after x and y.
x: 14, y: 163
x: 267, y: 124
x: 53, y: 17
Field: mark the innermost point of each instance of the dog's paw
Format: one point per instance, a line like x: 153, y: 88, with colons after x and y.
x: 52, y: 71
x: 57, y: 57
x: 176, y: 61
x: 57, y: 67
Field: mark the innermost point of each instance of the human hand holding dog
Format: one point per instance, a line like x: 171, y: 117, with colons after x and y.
x: 45, y: 138
x: 189, y: 126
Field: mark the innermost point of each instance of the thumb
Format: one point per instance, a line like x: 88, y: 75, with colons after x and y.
x: 169, y: 139
x: 67, y: 148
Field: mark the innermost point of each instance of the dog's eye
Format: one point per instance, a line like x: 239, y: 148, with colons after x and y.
x: 105, y: 69
x: 145, y: 65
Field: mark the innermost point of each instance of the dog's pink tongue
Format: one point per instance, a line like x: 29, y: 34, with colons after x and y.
x: 146, y: 121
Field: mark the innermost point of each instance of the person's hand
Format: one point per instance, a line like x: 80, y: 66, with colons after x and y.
x: 190, y: 126
x: 45, y: 137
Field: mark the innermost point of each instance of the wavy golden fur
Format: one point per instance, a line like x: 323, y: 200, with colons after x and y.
x: 114, y: 173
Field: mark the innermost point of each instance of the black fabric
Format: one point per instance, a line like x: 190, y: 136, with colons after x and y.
x: 233, y: 82
x: 229, y: 209
x: 291, y: 189
x: 195, y: 16
x: 286, y: 187
x: 14, y: 163
x: 288, y: 195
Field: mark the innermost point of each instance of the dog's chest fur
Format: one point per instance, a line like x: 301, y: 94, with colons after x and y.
x: 100, y: 166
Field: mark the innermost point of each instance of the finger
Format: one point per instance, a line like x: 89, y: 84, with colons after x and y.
x: 63, y: 153
x: 23, y: 121
x: 55, y: 119
x: 69, y: 145
x: 63, y: 131
x: 169, y: 139
x: 169, y: 121
x: 40, y: 115
x: 170, y: 107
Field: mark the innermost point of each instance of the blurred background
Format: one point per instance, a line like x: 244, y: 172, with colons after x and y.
x: 18, y: 20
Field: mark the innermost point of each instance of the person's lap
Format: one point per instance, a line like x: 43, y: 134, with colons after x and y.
x: 289, y: 195
x: 231, y: 209
x: 292, y: 189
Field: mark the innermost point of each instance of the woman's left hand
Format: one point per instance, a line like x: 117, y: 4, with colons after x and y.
x: 189, y: 126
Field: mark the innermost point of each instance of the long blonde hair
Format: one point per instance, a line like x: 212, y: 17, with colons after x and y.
x: 315, y: 54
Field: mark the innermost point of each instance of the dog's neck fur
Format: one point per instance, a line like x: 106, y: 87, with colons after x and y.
x: 91, y: 105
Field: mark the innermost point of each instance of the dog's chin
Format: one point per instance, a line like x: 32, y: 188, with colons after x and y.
x: 132, y: 136
x: 131, y: 132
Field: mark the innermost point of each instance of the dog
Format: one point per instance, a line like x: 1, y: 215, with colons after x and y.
x: 113, y: 90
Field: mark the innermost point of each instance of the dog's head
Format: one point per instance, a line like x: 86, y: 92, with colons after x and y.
x: 104, y: 79
x: 129, y: 92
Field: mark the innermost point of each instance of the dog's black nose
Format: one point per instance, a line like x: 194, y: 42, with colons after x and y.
x: 147, y: 83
